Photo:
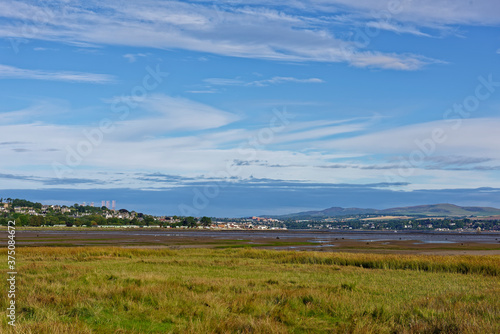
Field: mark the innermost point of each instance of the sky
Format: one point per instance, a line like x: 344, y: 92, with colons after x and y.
x: 240, y: 108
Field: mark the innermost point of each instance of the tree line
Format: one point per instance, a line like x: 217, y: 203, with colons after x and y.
x: 97, y: 220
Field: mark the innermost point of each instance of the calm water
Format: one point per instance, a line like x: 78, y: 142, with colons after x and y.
x: 317, y: 236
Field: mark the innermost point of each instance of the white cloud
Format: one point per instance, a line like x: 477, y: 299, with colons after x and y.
x: 473, y: 137
x: 44, y: 49
x: 261, y: 83
x: 388, y: 61
x: 202, y: 91
x: 433, y: 13
x: 265, y: 34
x: 165, y: 114
x: 384, y: 25
x: 11, y: 72
x: 140, y: 144
x: 278, y: 80
x: 224, y: 82
x: 132, y: 57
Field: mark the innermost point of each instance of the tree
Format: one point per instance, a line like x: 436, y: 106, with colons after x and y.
x: 148, y: 220
x: 51, y: 220
x: 206, y: 221
x: 25, y: 203
x: 23, y: 220
x: 36, y: 221
x: 189, y: 222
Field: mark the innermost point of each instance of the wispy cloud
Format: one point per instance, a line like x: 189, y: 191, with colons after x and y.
x: 165, y: 114
x: 132, y: 57
x: 44, y: 49
x: 278, y: 80
x: 430, y: 13
x: 202, y: 91
x: 455, y: 160
x: 477, y: 137
x: 272, y: 34
x: 390, y: 61
x: 13, y: 143
x: 51, y: 181
x: 260, y: 83
x: 225, y: 82
x: 400, y: 29
x: 11, y: 72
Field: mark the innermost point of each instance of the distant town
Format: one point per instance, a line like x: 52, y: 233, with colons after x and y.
x: 27, y: 213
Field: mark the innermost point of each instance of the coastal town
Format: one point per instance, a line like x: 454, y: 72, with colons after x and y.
x: 37, y: 214
x: 88, y: 215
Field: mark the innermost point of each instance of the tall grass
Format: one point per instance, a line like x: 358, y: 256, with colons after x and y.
x: 116, y: 290
x: 486, y: 265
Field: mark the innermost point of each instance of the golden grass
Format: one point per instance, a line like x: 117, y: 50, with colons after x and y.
x: 115, y: 290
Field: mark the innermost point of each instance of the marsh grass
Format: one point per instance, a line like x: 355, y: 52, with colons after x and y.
x: 116, y: 290
x: 487, y: 265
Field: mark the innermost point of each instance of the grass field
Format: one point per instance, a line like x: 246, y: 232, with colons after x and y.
x: 116, y: 290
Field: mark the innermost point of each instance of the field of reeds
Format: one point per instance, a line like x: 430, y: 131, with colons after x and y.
x: 116, y: 290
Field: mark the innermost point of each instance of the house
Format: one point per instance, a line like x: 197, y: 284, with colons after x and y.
x: 19, y: 209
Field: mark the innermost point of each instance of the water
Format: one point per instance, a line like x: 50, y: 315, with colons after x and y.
x: 315, y: 236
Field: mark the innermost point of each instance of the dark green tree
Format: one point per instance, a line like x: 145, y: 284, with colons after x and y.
x: 189, y: 222
x: 148, y: 220
x: 206, y: 221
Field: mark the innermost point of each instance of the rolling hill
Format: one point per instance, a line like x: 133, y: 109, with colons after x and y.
x: 434, y: 210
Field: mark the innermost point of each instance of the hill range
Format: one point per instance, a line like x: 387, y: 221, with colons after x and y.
x: 434, y: 210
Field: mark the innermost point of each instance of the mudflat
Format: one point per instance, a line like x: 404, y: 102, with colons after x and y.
x: 395, y: 243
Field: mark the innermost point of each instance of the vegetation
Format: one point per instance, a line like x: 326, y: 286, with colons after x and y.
x: 115, y: 290
x: 399, y: 224
x: 85, y: 215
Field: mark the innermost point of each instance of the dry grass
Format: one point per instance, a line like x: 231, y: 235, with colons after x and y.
x: 114, y: 290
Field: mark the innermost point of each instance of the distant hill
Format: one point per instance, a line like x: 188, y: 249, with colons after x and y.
x: 444, y: 210
x: 434, y: 210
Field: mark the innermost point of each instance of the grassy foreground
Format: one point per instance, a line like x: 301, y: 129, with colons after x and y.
x: 114, y: 290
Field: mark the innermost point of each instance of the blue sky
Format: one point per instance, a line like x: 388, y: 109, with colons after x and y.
x: 235, y: 108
